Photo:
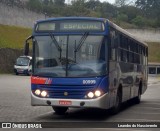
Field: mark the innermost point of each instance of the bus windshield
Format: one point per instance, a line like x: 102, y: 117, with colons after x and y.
x: 69, y: 56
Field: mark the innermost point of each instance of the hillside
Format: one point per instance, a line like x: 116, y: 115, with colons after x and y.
x: 154, y: 53
x: 13, y: 37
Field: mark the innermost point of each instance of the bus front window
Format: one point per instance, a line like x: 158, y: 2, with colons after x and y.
x: 72, y: 58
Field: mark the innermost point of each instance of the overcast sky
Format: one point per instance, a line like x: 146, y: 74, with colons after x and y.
x: 110, y: 1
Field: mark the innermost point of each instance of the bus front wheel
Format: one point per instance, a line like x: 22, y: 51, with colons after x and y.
x: 137, y: 99
x: 60, y: 110
x: 118, y: 102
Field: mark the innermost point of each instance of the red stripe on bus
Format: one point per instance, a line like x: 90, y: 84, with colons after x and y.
x: 38, y: 80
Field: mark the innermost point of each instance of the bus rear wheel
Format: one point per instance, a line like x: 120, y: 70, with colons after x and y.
x: 60, y: 110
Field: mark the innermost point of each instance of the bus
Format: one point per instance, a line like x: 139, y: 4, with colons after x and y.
x: 87, y: 63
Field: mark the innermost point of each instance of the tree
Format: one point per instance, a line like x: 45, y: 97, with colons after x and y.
x: 149, y: 7
x: 107, y: 10
x: 92, y: 4
x: 139, y: 21
x: 120, y: 3
x: 130, y: 11
x: 46, y: 2
x: 122, y: 17
x: 59, y: 2
x: 35, y: 5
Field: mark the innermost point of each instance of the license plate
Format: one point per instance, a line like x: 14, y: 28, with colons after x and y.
x: 20, y: 70
x: 65, y: 103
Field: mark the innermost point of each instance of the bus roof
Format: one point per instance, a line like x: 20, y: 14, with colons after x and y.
x: 126, y: 33
x: 73, y: 18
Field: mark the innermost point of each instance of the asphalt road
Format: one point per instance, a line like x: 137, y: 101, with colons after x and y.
x: 15, y: 106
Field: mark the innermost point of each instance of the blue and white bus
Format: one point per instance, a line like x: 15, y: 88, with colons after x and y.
x: 85, y: 62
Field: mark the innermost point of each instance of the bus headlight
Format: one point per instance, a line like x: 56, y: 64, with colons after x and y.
x: 37, y: 92
x: 43, y: 93
x: 90, y: 95
x: 97, y: 93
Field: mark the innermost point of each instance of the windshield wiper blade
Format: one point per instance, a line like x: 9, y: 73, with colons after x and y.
x: 56, y: 44
x: 82, y: 40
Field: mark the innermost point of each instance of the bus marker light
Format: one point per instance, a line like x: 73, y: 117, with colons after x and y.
x: 97, y: 93
x: 90, y: 95
x: 43, y: 93
x: 37, y: 92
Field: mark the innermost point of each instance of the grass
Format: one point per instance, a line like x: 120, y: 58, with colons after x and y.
x: 154, y: 52
x: 13, y: 37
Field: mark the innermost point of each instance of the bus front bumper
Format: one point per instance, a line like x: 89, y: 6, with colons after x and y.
x: 100, y: 102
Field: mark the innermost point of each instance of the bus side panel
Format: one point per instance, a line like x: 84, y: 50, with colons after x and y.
x: 145, y: 80
x: 113, y: 82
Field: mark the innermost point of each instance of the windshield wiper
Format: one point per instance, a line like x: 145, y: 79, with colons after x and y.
x: 81, y: 42
x: 57, y: 45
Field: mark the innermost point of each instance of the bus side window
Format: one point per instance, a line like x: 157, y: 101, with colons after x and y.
x: 114, y: 44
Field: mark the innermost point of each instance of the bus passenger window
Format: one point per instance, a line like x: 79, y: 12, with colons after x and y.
x: 152, y: 70
x: 131, y: 57
x: 40, y: 64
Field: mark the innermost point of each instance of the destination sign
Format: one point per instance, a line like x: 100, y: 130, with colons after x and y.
x: 78, y: 25
x: 97, y: 26
x: 46, y: 26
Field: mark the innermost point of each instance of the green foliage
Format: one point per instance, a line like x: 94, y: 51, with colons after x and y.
x: 59, y: 2
x: 122, y: 12
x: 150, y: 8
x: 122, y: 17
x: 35, y: 5
x: 139, y: 21
x: 13, y: 37
x: 130, y: 11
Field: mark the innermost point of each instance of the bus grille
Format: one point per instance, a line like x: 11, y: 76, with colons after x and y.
x: 67, y: 92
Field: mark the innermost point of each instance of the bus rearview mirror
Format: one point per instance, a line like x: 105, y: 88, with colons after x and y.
x: 26, y: 49
x: 26, y: 46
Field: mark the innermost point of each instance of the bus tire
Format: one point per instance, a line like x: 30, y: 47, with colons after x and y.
x: 137, y: 99
x: 60, y: 110
x: 117, y: 105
